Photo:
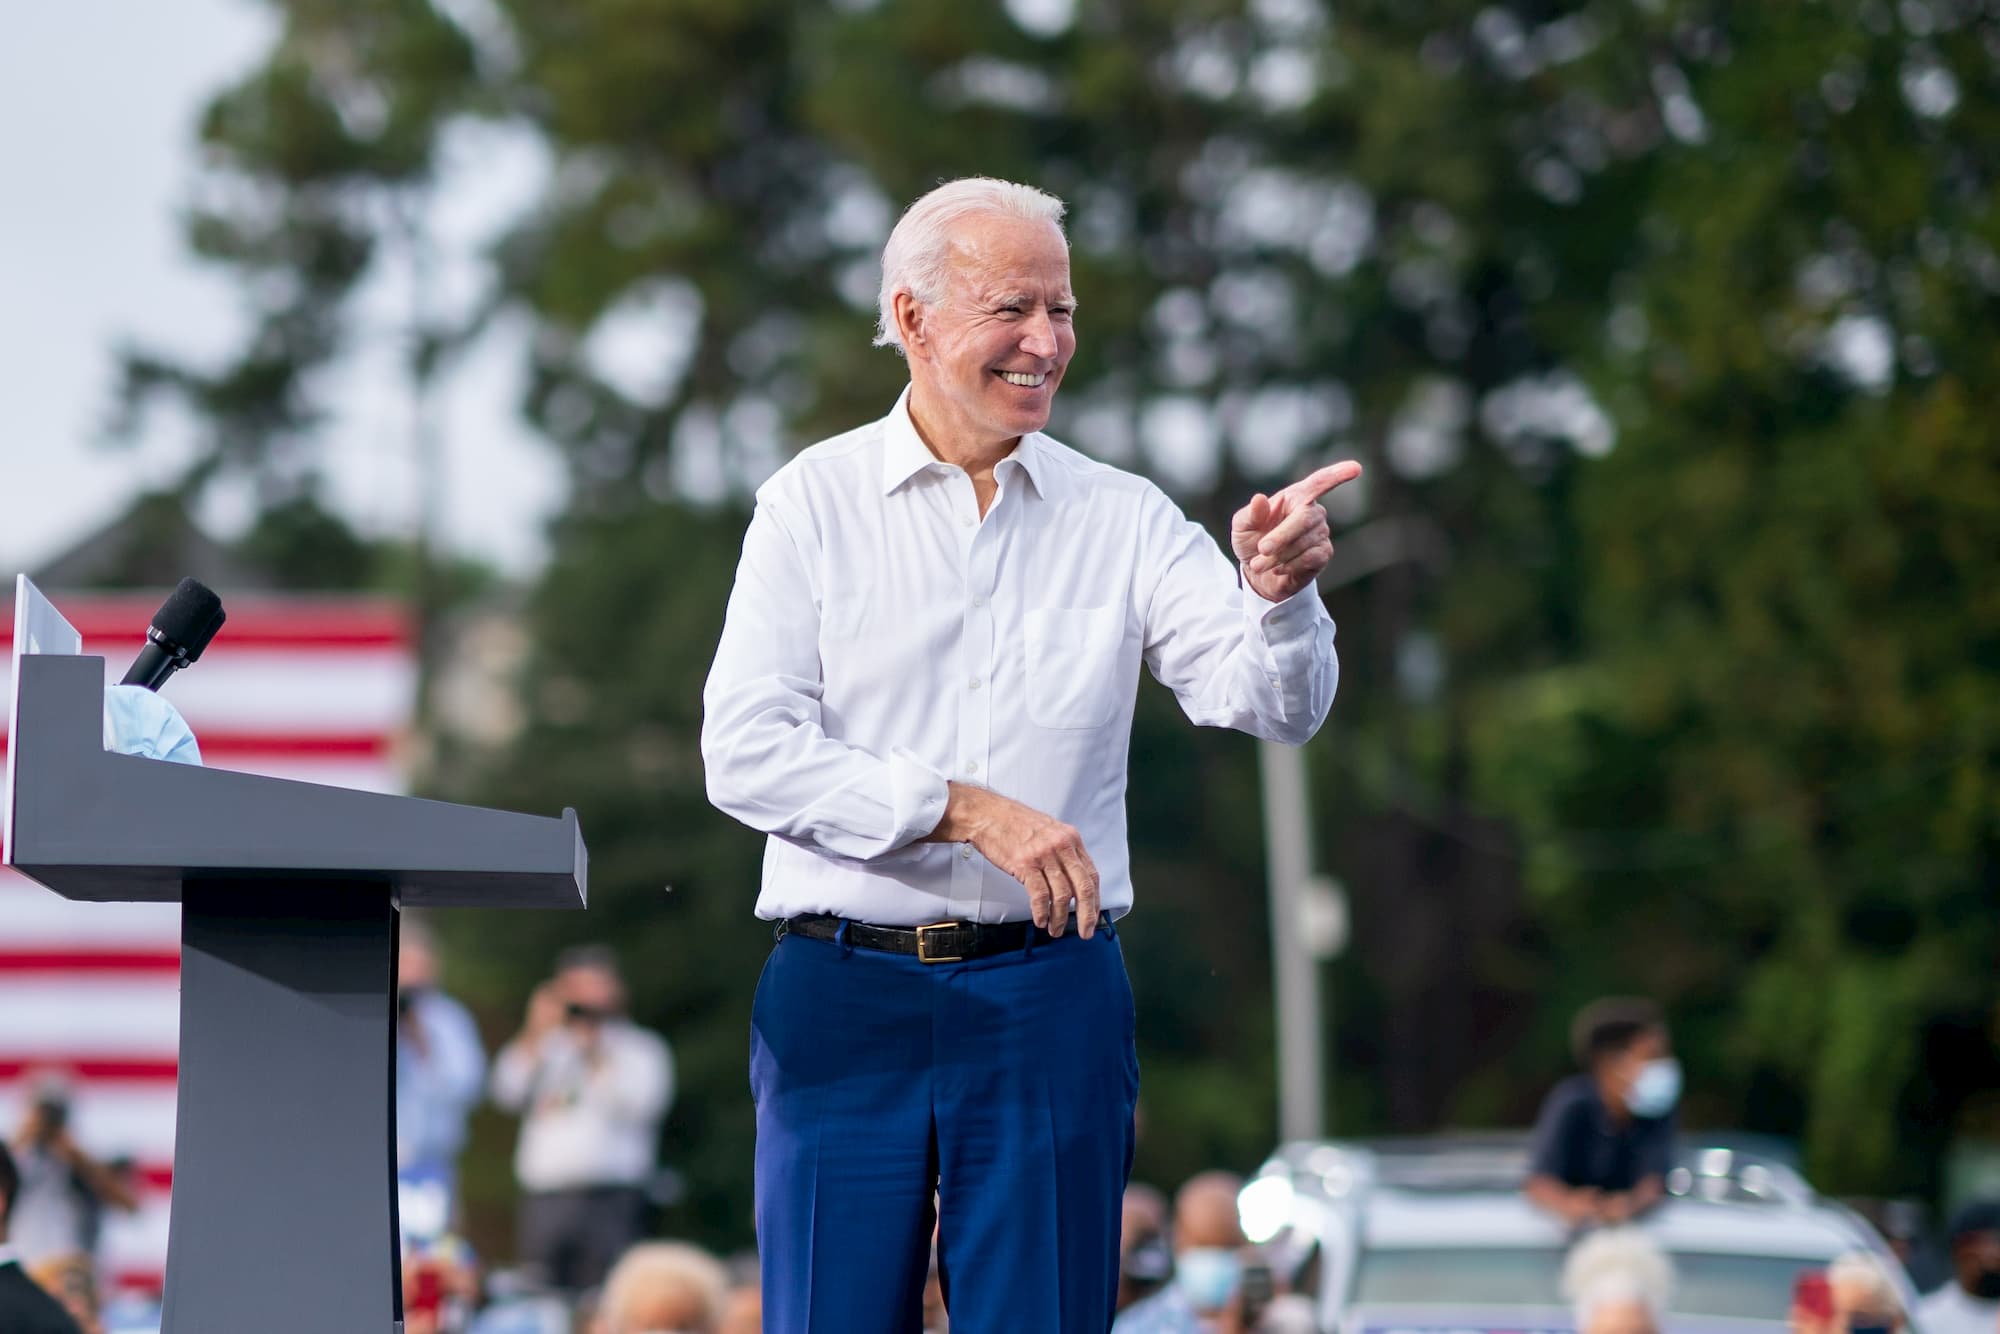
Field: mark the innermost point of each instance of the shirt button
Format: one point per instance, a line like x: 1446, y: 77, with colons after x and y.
x: 975, y: 683
x: 979, y: 602
x: 965, y: 852
x: 965, y: 521
x: 972, y: 766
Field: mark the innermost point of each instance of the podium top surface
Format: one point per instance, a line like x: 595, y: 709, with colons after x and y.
x: 90, y: 824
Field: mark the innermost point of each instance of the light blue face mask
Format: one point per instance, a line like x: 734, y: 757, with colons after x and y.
x: 1657, y: 1089
x: 1207, y: 1276
x: 139, y: 722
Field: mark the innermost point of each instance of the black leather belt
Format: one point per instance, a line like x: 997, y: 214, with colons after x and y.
x: 940, y: 942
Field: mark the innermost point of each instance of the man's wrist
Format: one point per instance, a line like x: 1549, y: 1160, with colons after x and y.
x: 963, y: 809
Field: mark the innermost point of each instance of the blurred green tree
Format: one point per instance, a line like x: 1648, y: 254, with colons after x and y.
x: 1780, y: 730
x: 1659, y: 325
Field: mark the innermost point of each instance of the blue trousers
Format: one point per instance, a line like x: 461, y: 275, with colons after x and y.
x: 991, y: 1098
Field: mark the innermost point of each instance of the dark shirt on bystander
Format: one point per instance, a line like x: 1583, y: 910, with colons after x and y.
x: 1579, y: 1144
x: 25, y: 1308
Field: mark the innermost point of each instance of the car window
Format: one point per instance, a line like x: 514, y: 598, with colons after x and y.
x: 1753, y: 1286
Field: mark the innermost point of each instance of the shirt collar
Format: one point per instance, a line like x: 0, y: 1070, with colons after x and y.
x: 904, y: 453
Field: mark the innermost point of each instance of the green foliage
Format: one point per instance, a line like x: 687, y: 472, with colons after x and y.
x: 1664, y: 328
x: 1783, y: 723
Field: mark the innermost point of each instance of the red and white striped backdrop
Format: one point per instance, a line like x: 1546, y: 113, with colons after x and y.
x: 319, y: 689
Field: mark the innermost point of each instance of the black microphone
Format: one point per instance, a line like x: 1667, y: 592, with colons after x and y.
x: 181, y: 629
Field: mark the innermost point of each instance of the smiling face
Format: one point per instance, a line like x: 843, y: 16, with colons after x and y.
x: 986, y: 359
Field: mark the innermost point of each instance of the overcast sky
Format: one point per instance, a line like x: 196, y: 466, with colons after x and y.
x: 98, y: 104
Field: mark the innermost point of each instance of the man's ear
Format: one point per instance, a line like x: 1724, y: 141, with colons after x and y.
x: 910, y: 320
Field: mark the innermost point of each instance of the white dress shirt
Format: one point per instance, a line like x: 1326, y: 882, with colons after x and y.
x: 882, y: 639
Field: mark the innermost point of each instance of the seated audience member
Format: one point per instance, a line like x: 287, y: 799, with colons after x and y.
x: 743, y: 1310
x: 1604, y: 1139
x: 1969, y: 1301
x: 663, y: 1285
x: 1145, y: 1260
x: 25, y: 1307
x: 1618, y: 1281
x: 1208, y: 1263
x: 1864, y: 1297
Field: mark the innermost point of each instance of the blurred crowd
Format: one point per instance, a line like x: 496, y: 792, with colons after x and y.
x: 591, y: 1088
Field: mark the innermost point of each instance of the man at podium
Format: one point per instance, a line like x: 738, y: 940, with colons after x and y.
x: 924, y: 694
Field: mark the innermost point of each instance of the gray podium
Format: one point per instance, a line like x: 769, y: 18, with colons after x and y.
x: 284, y: 1199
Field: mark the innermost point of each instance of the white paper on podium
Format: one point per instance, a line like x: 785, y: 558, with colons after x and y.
x: 38, y: 628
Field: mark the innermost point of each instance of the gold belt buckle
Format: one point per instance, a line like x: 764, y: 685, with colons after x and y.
x: 923, y: 945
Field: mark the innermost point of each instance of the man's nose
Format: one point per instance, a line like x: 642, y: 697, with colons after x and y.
x: 1038, y: 339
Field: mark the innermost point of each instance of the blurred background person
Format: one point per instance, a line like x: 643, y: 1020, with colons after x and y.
x: 1208, y: 1262
x: 1618, y: 1281
x: 1969, y: 1301
x: 64, y: 1191
x: 591, y: 1088
x: 743, y: 1309
x: 1812, y: 1304
x: 1604, y: 1137
x: 663, y: 1287
x: 937, y: 1320
x: 72, y: 1281
x: 25, y: 1306
x: 1145, y: 1258
x: 1863, y: 1296
x: 440, y: 1066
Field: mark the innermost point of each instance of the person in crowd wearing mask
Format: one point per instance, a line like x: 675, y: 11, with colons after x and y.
x: 663, y: 1287
x: 1208, y: 1265
x: 440, y: 1066
x: 1145, y: 1260
x: 25, y: 1307
x: 1618, y: 1281
x: 1863, y: 1296
x: 591, y: 1088
x: 1604, y: 1139
x: 1969, y: 1302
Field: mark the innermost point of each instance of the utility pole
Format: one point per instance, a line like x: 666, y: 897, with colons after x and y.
x: 1294, y: 963
x: 1309, y: 916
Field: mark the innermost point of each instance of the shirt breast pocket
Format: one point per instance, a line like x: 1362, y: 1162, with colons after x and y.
x: 1073, y: 678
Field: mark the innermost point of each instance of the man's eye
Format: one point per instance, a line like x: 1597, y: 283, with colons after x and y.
x: 1062, y: 312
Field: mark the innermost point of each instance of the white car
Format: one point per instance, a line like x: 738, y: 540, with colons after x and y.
x: 1434, y: 1237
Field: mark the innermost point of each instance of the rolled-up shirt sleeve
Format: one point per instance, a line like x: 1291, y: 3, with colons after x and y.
x: 1230, y: 657
x: 768, y: 759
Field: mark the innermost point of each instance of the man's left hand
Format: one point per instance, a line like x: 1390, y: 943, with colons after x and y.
x: 1282, y: 539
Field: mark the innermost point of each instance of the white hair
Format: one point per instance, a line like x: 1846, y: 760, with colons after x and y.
x: 917, y: 257
x: 1619, y: 1264
x: 1867, y: 1272
x: 645, y: 1269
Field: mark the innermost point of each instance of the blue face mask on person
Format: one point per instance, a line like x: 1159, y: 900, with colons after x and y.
x: 1207, y: 1276
x: 1657, y: 1089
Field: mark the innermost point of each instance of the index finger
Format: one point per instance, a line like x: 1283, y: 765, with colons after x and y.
x: 1308, y: 489
x: 1083, y: 875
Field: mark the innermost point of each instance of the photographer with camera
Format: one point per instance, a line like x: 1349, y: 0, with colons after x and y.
x: 591, y: 1088
x: 64, y: 1191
